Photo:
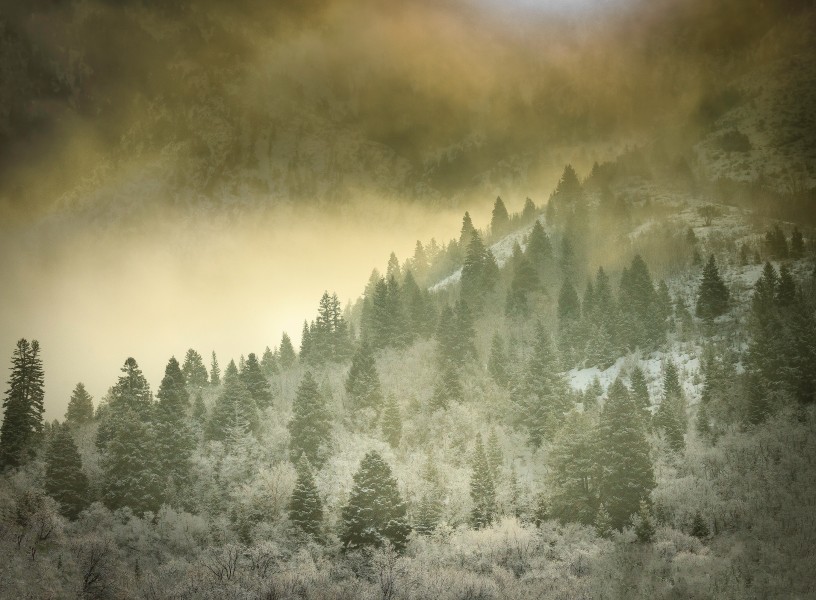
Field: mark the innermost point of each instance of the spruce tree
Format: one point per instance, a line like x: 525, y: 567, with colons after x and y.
x: 363, y: 382
x: 640, y: 393
x: 712, y: 298
x: 524, y: 282
x: 255, y: 381
x: 194, y: 370
x: 644, y: 527
x: 65, y: 481
x: 500, y: 219
x: 477, y: 276
x: 310, y: 426
x: 80, y: 406
x: 625, y: 469
x: 495, y: 456
x: 130, y: 393
x: 130, y: 471
x: 573, y: 472
x: 429, y: 509
x: 671, y: 414
x: 467, y: 231
x: 482, y: 488
x: 269, y: 363
x: 174, y: 439
x: 287, y: 352
x: 375, y: 512
x: 235, y: 411
x: 23, y: 405
x: 172, y: 394
x: 539, y: 248
x: 448, y: 388
x: 528, y: 212
x: 305, y: 506
x: 392, y: 422
x: 215, y: 371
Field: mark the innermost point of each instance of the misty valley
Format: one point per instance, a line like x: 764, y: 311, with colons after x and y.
x: 582, y: 364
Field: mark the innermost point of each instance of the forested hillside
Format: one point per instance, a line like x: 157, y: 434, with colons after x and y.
x: 610, y: 395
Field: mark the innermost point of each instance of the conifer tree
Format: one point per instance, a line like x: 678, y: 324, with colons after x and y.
x: 392, y: 422
x: 419, y: 262
x: 310, y: 426
x: 418, y: 308
x: 671, y: 414
x: 542, y: 398
x: 172, y: 394
x: 524, y: 282
x: 528, y: 212
x: 712, y: 298
x: 23, y: 405
x: 429, y: 508
x: 500, y: 219
x: 363, y: 382
x: 174, y: 439
x: 640, y: 393
x: 467, y: 231
x: 448, y: 388
x: 286, y: 351
x: 194, y: 370
x: 65, y: 481
x: 497, y: 364
x: 199, y: 408
x: 644, y: 528
x: 235, y: 411
x: 626, y: 476
x: 80, y: 406
x: 269, y: 363
x: 797, y: 245
x: 495, y: 457
x: 215, y: 371
x: 539, y: 249
x: 305, y: 506
x: 479, y: 273
x: 569, y: 306
x: 482, y: 488
x: 375, y: 512
x: 573, y: 471
x: 393, y: 268
x: 255, y: 381
x: 130, y: 474
x: 786, y: 288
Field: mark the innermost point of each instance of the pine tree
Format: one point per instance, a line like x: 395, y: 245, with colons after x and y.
x: 573, y: 473
x: 539, y: 249
x: 194, y: 370
x: 23, y: 405
x: 215, y: 371
x: 625, y: 468
x: 797, y: 245
x: 478, y: 276
x: 419, y: 262
x: 712, y: 298
x: 287, y: 352
x: 699, y: 528
x: 131, y: 393
x: 129, y: 469
x: 640, y: 393
x: 174, y: 439
x: 671, y: 414
x: 644, y: 527
x: 495, y: 457
x: 310, y: 426
x: 524, y: 282
x: 65, y: 481
x: 199, y: 408
x: 786, y: 288
x: 482, y: 488
x: 497, y: 364
x: 528, y: 212
x: 235, y: 411
x: 172, y: 394
x: 305, y: 506
x: 500, y: 219
x: 269, y: 363
x: 640, y: 312
x: 429, y: 508
x: 393, y: 268
x: 542, y: 398
x: 448, y: 388
x: 392, y: 423
x: 375, y: 512
x: 467, y: 231
x: 80, y: 406
x: 363, y: 383
x: 255, y: 381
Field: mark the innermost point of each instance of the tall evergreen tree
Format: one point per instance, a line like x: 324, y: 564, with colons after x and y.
x: 305, y: 506
x: 375, y: 512
x: 80, y: 406
x: 671, y: 414
x: 287, y: 352
x: 65, y: 481
x: 539, y: 248
x: 429, y: 509
x: 500, y: 219
x: 467, y: 231
x: 392, y: 422
x: 482, y: 488
x: 172, y: 394
x: 269, y: 362
x: 194, y: 370
x: 528, y: 212
x: 542, y: 397
x: 363, y: 383
x: 478, y: 273
x: 255, y: 381
x: 448, y: 388
x: 640, y: 392
x: 23, y: 405
x: 573, y: 471
x: 174, y: 439
x: 712, y: 299
x: 498, y: 364
x: 130, y: 393
x: 235, y: 412
x: 524, y: 282
x: 215, y: 371
x: 310, y: 426
x: 625, y: 468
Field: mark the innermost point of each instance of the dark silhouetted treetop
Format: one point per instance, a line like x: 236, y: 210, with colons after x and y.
x: 500, y: 219
x: 671, y: 414
x: 172, y: 394
x: 194, y: 370
x: 482, y: 488
x: 235, y: 411
x: 528, y: 213
x: 573, y: 471
x: 376, y: 512
x: 391, y: 422
x: 215, y: 371
x: 80, y: 406
x: 65, y: 481
x: 23, y: 405
x: 269, y: 362
x: 467, y: 231
x: 255, y: 381
x: 479, y: 273
x: 776, y: 243
x: 712, y: 298
x: 539, y: 248
x: 131, y: 389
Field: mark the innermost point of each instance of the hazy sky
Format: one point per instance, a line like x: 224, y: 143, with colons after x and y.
x: 195, y: 174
